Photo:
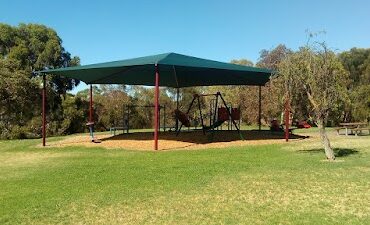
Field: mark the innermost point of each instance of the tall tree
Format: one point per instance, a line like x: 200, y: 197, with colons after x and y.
x: 271, y: 59
x: 24, y: 49
x: 18, y: 99
x: 318, y: 72
x: 32, y: 47
x: 272, y: 102
x: 357, y: 62
x: 274, y: 93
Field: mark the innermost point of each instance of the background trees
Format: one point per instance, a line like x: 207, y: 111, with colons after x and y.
x: 19, y: 97
x: 24, y: 49
x: 30, y: 47
x: 357, y: 62
x: 316, y: 74
x: 247, y: 96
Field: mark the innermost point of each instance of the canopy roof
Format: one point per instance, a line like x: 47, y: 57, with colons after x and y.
x: 175, y: 70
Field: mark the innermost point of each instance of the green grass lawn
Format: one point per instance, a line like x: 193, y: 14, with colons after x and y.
x: 266, y: 184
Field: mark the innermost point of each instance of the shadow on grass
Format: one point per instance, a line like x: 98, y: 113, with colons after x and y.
x: 339, y: 152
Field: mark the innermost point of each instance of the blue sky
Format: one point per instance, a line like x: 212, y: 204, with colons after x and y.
x: 99, y: 31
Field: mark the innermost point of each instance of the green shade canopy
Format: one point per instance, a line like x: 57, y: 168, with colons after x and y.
x: 175, y: 70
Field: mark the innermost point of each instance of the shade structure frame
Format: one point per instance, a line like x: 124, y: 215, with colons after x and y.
x: 43, y: 110
x: 156, y: 108
x: 176, y: 71
x: 170, y: 69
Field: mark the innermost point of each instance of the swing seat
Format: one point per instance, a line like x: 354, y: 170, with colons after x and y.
x: 183, y: 118
x: 214, y: 125
x: 303, y: 124
x: 235, y: 114
x: 223, y: 115
x: 275, y: 126
x: 91, y: 128
x: 90, y: 123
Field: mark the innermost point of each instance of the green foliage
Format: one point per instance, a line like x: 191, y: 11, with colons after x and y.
x: 33, y: 47
x: 247, y: 97
x: 111, y: 102
x: 75, y: 111
x: 244, y: 62
x: 17, y: 132
x: 319, y: 74
x: 271, y: 58
x: 357, y: 63
x: 273, y: 92
x: 18, y: 99
x: 34, y: 127
x: 24, y: 49
x: 361, y: 103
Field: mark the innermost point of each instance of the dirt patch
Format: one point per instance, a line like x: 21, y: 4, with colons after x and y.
x: 169, y: 140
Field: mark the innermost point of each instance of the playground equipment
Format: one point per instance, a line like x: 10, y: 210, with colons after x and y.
x: 303, y: 124
x: 218, y: 115
x: 175, y: 70
x: 91, y: 123
x: 91, y: 130
x: 127, y: 111
x: 223, y: 115
x: 276, y: 126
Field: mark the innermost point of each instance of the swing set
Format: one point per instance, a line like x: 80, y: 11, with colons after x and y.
x: 218, y: 115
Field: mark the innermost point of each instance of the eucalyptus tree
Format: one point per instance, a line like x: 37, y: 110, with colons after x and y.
x: 316, y: 71
x: 24, y: 49
x: 357, y: 62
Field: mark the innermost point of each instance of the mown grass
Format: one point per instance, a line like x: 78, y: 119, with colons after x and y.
x: 267, y: 184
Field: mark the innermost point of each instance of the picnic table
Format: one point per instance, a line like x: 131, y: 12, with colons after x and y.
x: 356, y: 127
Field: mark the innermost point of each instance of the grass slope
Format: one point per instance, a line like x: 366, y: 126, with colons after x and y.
x: 268, y: 184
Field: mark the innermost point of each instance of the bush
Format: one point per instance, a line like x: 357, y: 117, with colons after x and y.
x: 4, y: 132
x: 34, y: 127
x: 18, y: 132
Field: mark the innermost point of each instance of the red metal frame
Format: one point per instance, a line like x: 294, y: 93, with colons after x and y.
x: 156, y: 108
x: 287, y: 110
x: 91, y: 104
x: 259, y: 107
x: 43, y: 110
x: 177, y: 107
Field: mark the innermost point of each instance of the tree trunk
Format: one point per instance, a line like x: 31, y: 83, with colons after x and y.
x: 325, y: 140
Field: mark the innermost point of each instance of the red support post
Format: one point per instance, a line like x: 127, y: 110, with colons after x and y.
x: 156, y: 108
x: 287, y: 112
x: 91, y: 105
x: 177, y: 107
x: 43, y: 110
x: 259, y: 107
